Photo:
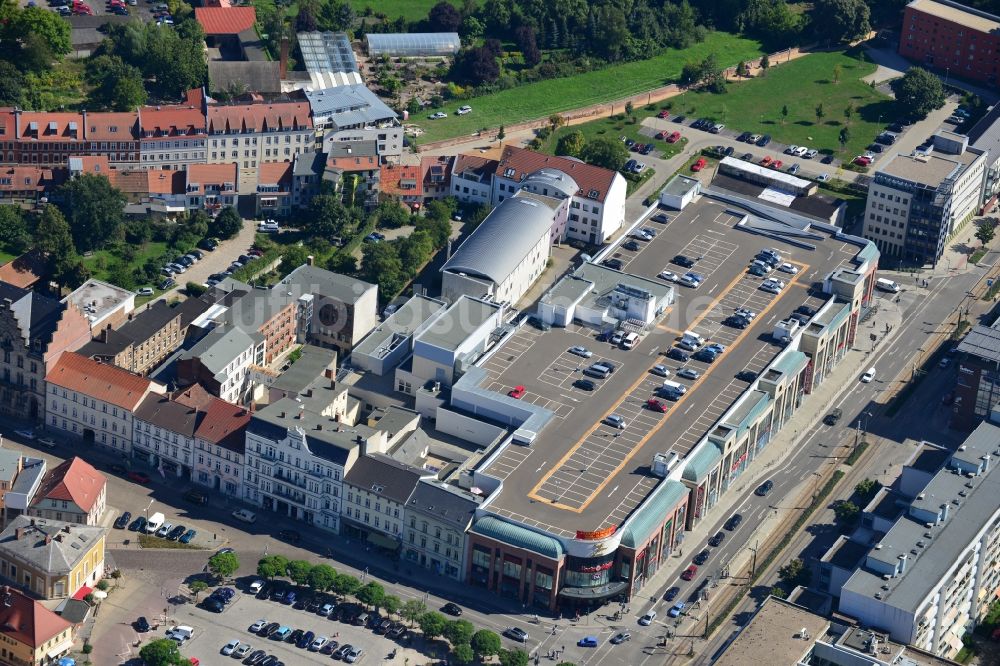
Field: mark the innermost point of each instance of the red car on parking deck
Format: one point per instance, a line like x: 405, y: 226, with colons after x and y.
x: 766, y: 161
x: 517, y: 392
x: 656, y: 405
x: 776, y: 164
x: 699, y: 165
x: 674, y: 137
x: 138, y: 477
x: 663, y: 114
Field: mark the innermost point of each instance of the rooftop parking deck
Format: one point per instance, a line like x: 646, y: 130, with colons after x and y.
x: 583, y: 474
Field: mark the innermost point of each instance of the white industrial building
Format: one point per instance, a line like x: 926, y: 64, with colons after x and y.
x: 597, y: 295
x: 506, y: 254
x: 933, y: 576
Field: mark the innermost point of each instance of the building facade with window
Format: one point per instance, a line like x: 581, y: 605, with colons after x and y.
x: 916, y: 202
x: 377, y: 489
x: 437, y: 520
x: 51, y: 558
x: 34, y: 332
x: 31, y: 634
x: 173, y: 137
x: 949, y: 37
x: 252, y: 134
x: 296, y: 454
x: 93, y: 401
x: 73, y: 492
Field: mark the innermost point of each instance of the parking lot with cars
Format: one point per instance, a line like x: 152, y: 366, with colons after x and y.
x: 593, y: 472
x: 278, y: 623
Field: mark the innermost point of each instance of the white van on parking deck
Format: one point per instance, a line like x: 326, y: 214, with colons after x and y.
x: 155, y: 522
x: 630, y: 341
x: 692, y: 339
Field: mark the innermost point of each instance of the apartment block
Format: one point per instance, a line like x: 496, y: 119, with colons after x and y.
x: 141, y: 343
x: 252, y: 134
x: 957, y: 40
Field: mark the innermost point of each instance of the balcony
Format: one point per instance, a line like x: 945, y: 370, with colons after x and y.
x: 298, y: 498
x: 282, y: 475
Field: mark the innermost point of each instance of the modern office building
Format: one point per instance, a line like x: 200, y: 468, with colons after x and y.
x: 954, y: 39
x: 916, y: 202
x: 933, y: 576
x: 977, y: 384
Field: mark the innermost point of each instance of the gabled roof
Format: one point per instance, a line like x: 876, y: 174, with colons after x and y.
x: 175, y: 119
x: 45, y: 126
x: 23, y: 271
x: 37, y: 316
x: 74, y: 480
x: 22, y: 178
x: 26, y: 621
x: 121, y: 126
x: 225, y: 20
x: 274, y: 173
x: 401, y: 180
x: 100, y: 381
x: 383, y: 476
x: 519, y: 163
x: 435, y: 169
x: 482, y: 167
x: 225, y: 425
x: 258, y: 117
x: 200, y: 175
x: 262, y: 76
x: 161, y: 411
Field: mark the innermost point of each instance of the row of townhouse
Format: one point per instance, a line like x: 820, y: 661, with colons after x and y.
x: 171, y: 136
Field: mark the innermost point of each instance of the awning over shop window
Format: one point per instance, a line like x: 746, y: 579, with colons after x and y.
x: 382, y: 541
x: 601, y: 592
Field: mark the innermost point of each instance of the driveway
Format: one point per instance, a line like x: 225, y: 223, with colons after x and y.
x: 216, y: 261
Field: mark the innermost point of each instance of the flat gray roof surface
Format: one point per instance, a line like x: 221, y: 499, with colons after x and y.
x: 931, y: 172
x: 404, y: 321
x: 453, y: 327
x: 577, y: 475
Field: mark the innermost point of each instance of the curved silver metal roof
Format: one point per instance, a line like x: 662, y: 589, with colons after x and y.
x: 502, y: 240
x: 554, y: 179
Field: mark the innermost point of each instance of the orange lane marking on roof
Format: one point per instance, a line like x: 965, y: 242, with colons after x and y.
x: 533, y: 493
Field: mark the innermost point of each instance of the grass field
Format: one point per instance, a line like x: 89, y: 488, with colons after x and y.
x: 615, y: 128
x: 755, y: 105
x: 411, y: 10
x: 101, y: 261
x: 5, y: 257
x: 540, y: 100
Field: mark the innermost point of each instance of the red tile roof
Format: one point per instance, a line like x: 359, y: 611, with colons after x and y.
x: 24, y: 178
x: 259, y: 117
x: 435, y: 170
x: 153, y: 181
x: 392, y: 177
x: 274, y: 173
x: 26, y: 621
x: 94, y: 164
x: 200, y: 175
x: 74, y: 480
x: 8, y: 123
x: 525, y: 162
x: 225, y: 425
x: 474, y: 163
x: 50, y: 126
x: 225, y: 20
x: 174, y: 119
x: 195, y: 396
x: 98, y: 380
x: 112, y: 126
x: 354, y: 163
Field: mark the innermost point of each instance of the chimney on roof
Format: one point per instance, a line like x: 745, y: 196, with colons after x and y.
x: 310, y: 260
x: 48, y: 539
x: 18, y: 533
x: 283, y: 58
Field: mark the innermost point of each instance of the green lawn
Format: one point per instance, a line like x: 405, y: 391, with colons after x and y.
x: 101, y: 261
x: 542, y: 99
x: 411, y: 10
x: 615, y: 128
x: 802, y: 84
x: 6, y: 257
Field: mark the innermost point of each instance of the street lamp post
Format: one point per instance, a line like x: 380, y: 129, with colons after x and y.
x: 753, y: 561
x: 147, y: 510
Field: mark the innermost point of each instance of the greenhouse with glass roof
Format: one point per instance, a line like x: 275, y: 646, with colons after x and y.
x: 413, y: 45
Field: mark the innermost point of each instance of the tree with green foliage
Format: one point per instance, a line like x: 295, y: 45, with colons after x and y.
x: 866, y: 489
x: 778, y: 592
x: 571, y: 144
x: 335, y: 15
x: 459, y: 632
x: 391, y: 215
x: 172, y: 61
x: 485, y: 643
x: 371, y: 594
x: 380, y: 263
x: 629, y: 108
x: 93, y: 208
x: 837, y: 71
x: 501, y: 134
x: 848, y: 113
x: 515, y: 657
x: 224, y: 565
x: 327, y: 217
x: 794, y: 573
x: 14, y: 236
x: 53, y: 236
x: 226, y: 224
x: 918, y: 92
x: 52, y: 29
x: 161, y: 652
x: 765, y: 62
x: 321, y: 577
x: 771, y: 21
x: 841, y: 21
x: 820, y: 113
x: 272, y: 566
x: 298, y: 571
x: 986, y: 230
x: 346, y: 585
x: 846, y: 512
x: 12, y: 83
x: 117, y: 86
x: 607, y: 153
x: 432, y: 624
x: 412, y: 610
x: 391, y: 604
x: 462, y: 654
x: 197, y: 587
x: 343, y: 263
x: 414, y: 251
x: 844, y: 138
